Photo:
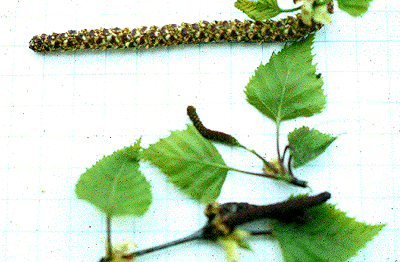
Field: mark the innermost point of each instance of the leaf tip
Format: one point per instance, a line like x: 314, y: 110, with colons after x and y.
x: 133, y: 152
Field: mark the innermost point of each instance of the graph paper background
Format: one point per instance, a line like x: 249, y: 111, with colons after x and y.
x: 62, y: 112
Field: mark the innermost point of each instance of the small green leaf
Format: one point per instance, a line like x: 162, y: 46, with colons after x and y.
x: 115, y: 185
x: 306, y: 144
x: 354, y: 7
x: 287, y: 86
x: 191, y: 163
x: 328, y: 235
x: 260, y: 10
x: 244, y: 244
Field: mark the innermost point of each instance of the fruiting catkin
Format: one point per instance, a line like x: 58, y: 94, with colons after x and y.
x: 286, y: 29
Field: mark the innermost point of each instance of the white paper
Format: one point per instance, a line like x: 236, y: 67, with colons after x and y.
x: 62, y: 112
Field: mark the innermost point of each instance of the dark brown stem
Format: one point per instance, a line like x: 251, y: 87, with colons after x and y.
x: 195, y: 236
x: 290, y: 165
x: 198, y: 235
x: 279, y: 210
x: 298, y: 182
x: 285, y: 150
x: 261, y: 233
x: 293, y: 180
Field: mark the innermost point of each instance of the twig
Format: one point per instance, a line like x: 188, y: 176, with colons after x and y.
x: 235, y: 214
x: 279, y: 210
x: 195, y: 236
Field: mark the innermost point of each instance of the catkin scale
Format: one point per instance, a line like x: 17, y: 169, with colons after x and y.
x: 286, y: 29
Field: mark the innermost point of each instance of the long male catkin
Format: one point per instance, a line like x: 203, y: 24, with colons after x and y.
x: 286, y: 29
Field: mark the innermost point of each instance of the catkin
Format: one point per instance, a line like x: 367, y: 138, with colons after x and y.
x: 286, y: 29
x: 216, y: 136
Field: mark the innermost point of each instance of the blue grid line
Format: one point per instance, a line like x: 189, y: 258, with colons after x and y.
x: 206, y: 73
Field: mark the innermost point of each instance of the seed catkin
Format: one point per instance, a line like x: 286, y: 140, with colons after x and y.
x: 287, y: 29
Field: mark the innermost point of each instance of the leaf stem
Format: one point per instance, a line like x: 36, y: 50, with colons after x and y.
x: 285, y: 150
x: 290, y: 10
x: 277, y: 142
x: 266, y: 163
x: 322, y: 3
x: 280, y: 159
x: 291, y: 180
x: 290, y: 165
x: 109, y: 245
x: 253, y: 173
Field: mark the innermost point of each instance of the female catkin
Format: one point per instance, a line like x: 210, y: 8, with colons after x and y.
x: 286, y: 29
x: 216, y: 136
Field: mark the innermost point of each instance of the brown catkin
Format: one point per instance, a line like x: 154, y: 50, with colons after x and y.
x: 287, y: 29
x: 216, y: 136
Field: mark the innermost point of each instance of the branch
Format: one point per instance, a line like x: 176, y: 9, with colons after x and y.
x: 230, y: 215
x: 195, y: 236
x: 280, y: 210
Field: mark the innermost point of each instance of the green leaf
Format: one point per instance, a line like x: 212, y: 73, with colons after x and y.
x: 260, y: 10
x: 244, y: 244
x: 306, y: 144
x: 287, y: 86
x: 191, y: 163
x: 328, y: 235
x: 115, y: 185
x: 354, y: 7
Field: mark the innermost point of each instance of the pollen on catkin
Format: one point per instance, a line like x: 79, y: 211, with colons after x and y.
x: 286, y: 29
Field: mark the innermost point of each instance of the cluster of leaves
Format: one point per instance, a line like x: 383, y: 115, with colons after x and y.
x: 285, y: 88
x: 266, y: 9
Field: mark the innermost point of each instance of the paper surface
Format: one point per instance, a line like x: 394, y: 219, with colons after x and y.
x: 64, y: 111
